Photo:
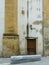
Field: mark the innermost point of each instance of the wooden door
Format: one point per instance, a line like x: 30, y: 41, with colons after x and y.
x: 31, y: 46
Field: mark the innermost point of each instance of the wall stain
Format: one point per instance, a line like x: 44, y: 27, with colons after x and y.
x: 37, y: 22
x: 41, y: 32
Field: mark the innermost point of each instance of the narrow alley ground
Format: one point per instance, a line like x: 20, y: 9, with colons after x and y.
x: 7, y: 61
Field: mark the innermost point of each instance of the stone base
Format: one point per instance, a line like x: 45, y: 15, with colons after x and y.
x: 10, y: 45
x: 46, y: 40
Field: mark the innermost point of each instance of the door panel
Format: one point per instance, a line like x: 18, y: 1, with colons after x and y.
x: 31, y: 46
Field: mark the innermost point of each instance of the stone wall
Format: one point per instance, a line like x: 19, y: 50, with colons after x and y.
x: 46, y: 27
x: 23, y: 18
x: 11, y: 16
x: 34, y: 22
x: 2, y: 14
x: 46, y: 40
x: 22, y: 24
x: 10, y: 39
x: 10, y: 45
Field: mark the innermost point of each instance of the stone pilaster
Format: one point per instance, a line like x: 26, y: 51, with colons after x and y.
x: 11, y: 16
x: 10, y: 45
x: 46, y: 27
x: 10, y: 37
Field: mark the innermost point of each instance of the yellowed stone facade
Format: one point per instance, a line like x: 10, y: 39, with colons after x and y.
x: 46, y: 27
x: 11, y: 16
x: 10, y: 36
x: 46, y: 11
x: 10, y: 45
x: 11, y: 27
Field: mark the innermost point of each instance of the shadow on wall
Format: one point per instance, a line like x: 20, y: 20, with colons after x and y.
x: 1, y: 23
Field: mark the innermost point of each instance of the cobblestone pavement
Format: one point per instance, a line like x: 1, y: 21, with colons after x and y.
x: 44, y: 61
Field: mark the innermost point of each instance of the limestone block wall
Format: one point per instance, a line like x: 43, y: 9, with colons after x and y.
x: 22, y: 24
x: 10, y: 38
x: 10, y: 45
x: 46, y: 11
x: 33, y: 21
x: 46, y: 27
x: 11, y: 16
x: 46, y: 40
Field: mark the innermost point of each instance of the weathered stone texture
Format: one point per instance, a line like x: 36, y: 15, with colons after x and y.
x: 46, y: 11
x: 46, y: 40
x: 11, y: 42
x: 10, y: 46
x: 11, y: 16
x: 46, y: 27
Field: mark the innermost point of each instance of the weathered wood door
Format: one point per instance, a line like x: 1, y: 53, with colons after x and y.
x: 31, y: 46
